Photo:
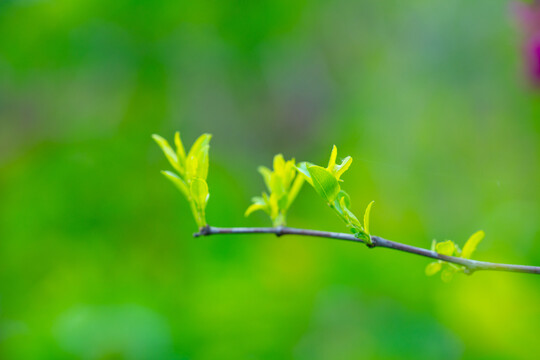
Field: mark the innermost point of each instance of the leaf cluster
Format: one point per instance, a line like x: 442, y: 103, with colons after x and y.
x: 326, y: 182
x: 283, y: 186
x: 191, y: 172
x: 450, y: 248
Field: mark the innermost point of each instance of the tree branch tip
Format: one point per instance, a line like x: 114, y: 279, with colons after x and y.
x: 204, y: 231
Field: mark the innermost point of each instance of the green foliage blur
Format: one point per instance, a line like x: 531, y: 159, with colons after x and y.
x: 96, y: 255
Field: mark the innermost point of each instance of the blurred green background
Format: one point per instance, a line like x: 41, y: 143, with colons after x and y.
x: 96, y: 255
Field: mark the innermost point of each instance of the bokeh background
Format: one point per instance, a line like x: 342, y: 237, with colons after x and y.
x: 430, y: 97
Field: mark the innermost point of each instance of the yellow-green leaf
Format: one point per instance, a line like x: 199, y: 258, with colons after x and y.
x: 267, y: 175
x: 255, y: 207
x: 433, y: 268
x: 197, y: 164
x: 279, y: 164
x: 202, y: 163
x: 202, y: 141
x: 274, y: 208
x: 347, y: 199
x: 302, y: 168
x: 276, y: 185
x: 295, y: 189
x: 192, y: 163
x: 351, y: 218
x: 448, y: 273
x: 199, y: 192
x: 345, y: 164
x: 366, y: 217
x: 168, y: 151
x: 471, y: 244
x: 332, y: 161
x: 178, y: 182
x: 289, y: 171
x: 445, y: 248
x: 180, y: 151
x: 324, y: 183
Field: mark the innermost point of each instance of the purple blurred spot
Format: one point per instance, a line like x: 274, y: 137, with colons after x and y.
x: 528, y: 16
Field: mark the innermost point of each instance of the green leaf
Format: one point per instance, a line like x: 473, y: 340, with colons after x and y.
x: 199, y: 192
x: 202, y: 163
x: 295, y: 189
x: 324, y: 183
x: 448, y: 273
x: 168, y: 151
x: 254, y: 207
x: 351, y: 218
x: 332, y: 161
x: 202, y: 141
x: 180, y: 151
x: 343, y: 195
x: 302, y: 168
x: 289, y: 171
x: 283, y: 200
x: 471, y: 244
x: 274, y: 208
x: 197, y: 158
x: 445, y: 248
x: 433, y: 268
x: 267, y: 176
x: 279, y: 164
x: 178, y: 182
x: 276, y: 185
x: 345, y: 164
x: 258, y: 200
x: 197, y: 165
x: 366, y: 217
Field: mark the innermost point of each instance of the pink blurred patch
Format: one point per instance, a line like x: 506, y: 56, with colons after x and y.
x: 528, y: 16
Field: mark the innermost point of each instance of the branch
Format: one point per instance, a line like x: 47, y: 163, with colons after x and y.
x: 470, y: 265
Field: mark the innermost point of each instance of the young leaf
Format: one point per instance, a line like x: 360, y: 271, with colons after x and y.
x: 279, y: 164
x: 168, y: 151
x: 276, y: 185
x: 445, y: 248
x: 267, y: 176
x: 199, y: 191
x: 201, y: 142
x: 471, y: 244
x: 302, y: 168
x: 254, y: 207
x: 192, y: 163
x: 289, y: 171
x: 448, y: 273
x: 366, y: 217
x: 180, y: 151
x: 178, y: 182
x: 274, y: 207
x: 332, y: 161
x: 197, y: 164
x: 351, y: 218
x: 346, y: 198
x: 295, y: 189
x: 324, y: 183
x: 202, y: 163
x: 433, y: 268
x: 345, y: 164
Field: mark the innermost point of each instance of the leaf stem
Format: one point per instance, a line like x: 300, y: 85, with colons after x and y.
x: 469, y: 264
